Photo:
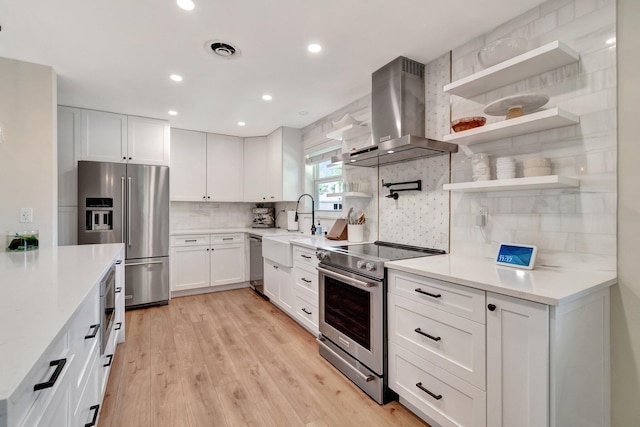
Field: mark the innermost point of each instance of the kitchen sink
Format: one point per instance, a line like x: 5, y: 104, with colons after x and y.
x: 278, y: 248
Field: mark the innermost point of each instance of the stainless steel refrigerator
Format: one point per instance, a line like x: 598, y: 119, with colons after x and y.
x: 123, y: 203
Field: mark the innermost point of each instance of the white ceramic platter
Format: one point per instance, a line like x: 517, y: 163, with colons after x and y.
x: 529, y: 102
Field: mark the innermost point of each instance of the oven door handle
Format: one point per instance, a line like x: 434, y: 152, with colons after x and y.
x: 346, y: 279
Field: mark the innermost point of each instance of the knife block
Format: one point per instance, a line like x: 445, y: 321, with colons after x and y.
x: 338, y: 231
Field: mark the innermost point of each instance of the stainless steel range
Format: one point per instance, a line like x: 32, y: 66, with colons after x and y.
x: 352, y: 319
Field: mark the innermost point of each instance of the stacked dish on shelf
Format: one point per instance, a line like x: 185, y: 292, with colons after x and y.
x: 481, y: 167
x: 505, y: 168
x: 538, y: 166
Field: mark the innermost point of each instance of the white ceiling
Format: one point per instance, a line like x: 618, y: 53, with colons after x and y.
x: 117, y: 55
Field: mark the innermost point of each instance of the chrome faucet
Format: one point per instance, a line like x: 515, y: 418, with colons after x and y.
x: 313, y: 218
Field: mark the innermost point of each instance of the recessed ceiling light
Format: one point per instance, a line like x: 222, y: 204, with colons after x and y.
x: 612, y: 40
x: 241, y: 123
x: 303, y: 113
x: 176, y: 77
x: 390, y: 151
x: 352, y: 160
x: 267, y: 97
x: 314, y: 48
x: 186, y: 4
x: 173, y: 113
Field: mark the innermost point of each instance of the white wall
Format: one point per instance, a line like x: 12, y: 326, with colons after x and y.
x: 625, y: 300
x: 28, y: 156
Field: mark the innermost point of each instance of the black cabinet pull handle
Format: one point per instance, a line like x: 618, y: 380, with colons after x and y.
x: 110, y: 357
x: 305, y: 256
x: 420, y: 291
x: 124, y: 158
x: 227, y: 238
x: 118, y: 326
x: 305, y: 310
x: 491, y: 307
x: 305, y: 280
x: 59, y: 364
x: 418, y: 330
x: 119, y: 262
x: 92, y: 334
x: 96, y: 409
x: 118, y: 289
x: 435, y: 396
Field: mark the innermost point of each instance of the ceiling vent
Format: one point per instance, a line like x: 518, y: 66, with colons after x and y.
x: 221, y: 49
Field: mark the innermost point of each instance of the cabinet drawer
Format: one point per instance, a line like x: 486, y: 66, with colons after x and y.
x: 455, y: 402
x: 307, y: 279
x: 306, y: 312
x: 190, y: 240
x: 455, y: 344
x: 85, y: 327
x: 460, y: 300
x: 87, y: 395
x: 304, y: 256
x: 227, y: 238
x: 27, y: 402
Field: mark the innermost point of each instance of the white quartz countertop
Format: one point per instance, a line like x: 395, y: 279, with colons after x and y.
x: 546, y: 285
x: 39, y: 293
x: 306, y: 240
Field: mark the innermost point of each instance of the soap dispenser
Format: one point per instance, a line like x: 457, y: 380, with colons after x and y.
x: 318, y: 229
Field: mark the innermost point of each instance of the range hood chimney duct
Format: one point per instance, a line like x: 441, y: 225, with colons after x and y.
x: 397, y: 118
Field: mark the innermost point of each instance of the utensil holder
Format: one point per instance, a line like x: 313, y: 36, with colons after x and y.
x: 355, y: 232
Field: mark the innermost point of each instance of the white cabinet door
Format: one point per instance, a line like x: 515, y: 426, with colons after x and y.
x: 189, y: 267
x: 255, y: 169
x: 274, y: 166
x: 286, y: 296
x: 225, y: 168
x: 271, y: 280
x: 104, y: 136
x: 148, y: 141
x: 227, y: 264
x: 292, y: 164
x: 517, y: 362
x: 188, y: 165
x: 69, y: 131
x: 67, y: 225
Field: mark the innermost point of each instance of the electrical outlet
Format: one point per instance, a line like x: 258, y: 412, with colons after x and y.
x: 26, y: 214
x: 481, y: 218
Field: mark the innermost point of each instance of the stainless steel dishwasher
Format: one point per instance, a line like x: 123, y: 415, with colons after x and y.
x: 256, y: 274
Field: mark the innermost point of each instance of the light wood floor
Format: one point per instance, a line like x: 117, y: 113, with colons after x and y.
x: 231, y: 359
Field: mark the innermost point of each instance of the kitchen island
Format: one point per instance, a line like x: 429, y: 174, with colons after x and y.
x: 43, y: 292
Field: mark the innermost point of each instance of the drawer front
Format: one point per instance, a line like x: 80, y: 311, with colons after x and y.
x: 88, y: 396
x: 227, y: 238
x: 85, y: 326
x: 27, y: 402
x: 307, y: 278
x: 459, y: 300
x: 190, y: 240
x: 455, y: 403
x: 304, y: 257
x: 454, y: 344
x: 306, y: 312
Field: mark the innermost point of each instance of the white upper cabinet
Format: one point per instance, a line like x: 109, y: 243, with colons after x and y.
x: 69, y: 128
x: 109, y: 137
x: 148, y: 141
x: 188, y: 165
x: 104, y: 136
x: 255, y: 169
x: 225, y: 166
x: 273, y: 167
x: 206, y: 167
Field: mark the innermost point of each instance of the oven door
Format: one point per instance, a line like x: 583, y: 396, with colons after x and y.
x: 351, y: 314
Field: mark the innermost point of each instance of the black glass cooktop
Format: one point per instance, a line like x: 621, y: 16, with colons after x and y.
x: 386, y: 251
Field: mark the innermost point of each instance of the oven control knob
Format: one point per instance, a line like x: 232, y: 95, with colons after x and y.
x: 370, y: 266
x: 322, y: 255
x: 361, y: 264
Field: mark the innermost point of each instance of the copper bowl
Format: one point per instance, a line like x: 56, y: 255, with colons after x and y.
x: 467, y: 123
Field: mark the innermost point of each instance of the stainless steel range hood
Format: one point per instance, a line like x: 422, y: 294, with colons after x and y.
x: 397, y: 118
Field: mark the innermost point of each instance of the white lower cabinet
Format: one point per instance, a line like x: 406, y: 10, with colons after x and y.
x: 305, y: 288
x: 544, y: 365
x: 205, y: 261
x: 278, y: 285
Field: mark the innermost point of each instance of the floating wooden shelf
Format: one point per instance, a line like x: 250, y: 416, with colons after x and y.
x: 351, y: 194
x: 348, y: 132
x: 548, y: 57
x: 515, y: 184
x: 534, y: 122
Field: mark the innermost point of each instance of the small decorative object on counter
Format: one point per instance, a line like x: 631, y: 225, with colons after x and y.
x: 22, y: 241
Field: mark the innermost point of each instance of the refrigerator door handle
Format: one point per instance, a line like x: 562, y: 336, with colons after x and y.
x: 144, y: 263
x: 129, y: 211
x: 122, y: 209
